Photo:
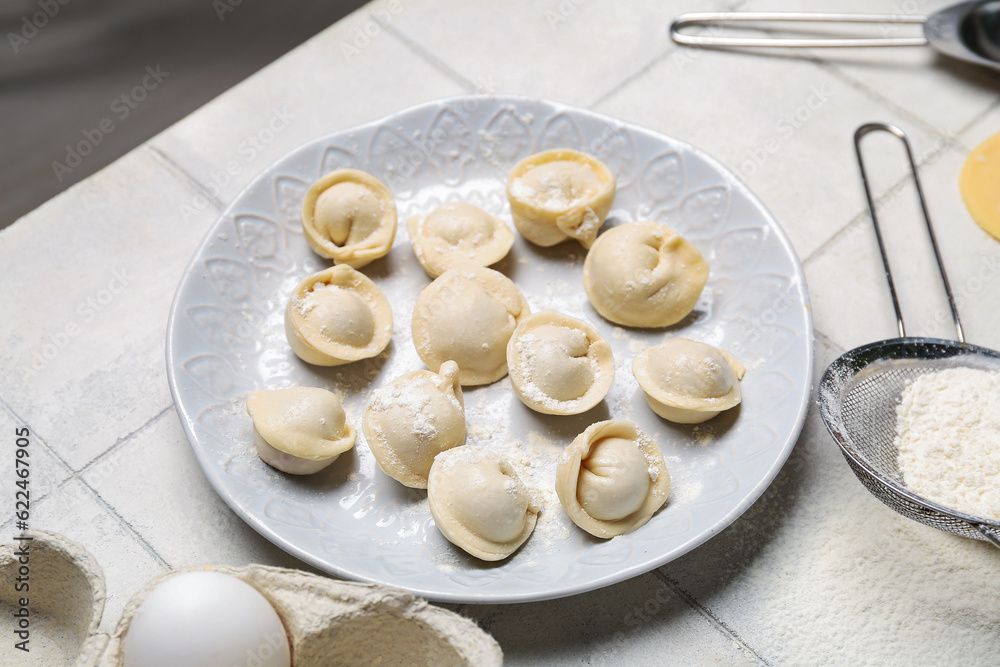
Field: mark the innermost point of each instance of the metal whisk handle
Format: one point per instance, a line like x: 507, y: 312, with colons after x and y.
x: 705, y: 18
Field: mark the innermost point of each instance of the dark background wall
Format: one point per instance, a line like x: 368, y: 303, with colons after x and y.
x: 64, y: 65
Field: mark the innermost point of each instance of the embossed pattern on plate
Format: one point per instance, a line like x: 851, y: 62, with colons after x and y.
x: 226, y: 337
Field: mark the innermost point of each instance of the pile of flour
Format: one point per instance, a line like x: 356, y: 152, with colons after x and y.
x: 948, y: 437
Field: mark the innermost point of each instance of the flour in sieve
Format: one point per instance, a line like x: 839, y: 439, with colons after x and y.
x: 948, y: 437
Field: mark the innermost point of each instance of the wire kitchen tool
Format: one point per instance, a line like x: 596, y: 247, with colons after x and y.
x: 969, y: 31
x: 859, y: 392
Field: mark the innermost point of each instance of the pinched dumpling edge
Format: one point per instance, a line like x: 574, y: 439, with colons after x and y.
x: 326, y: 352
x: 609, y: 299
x: 568, y: 475
x: 297, y: 458
x: 599, y: 350
x: 446, y: 381
x: 682, y: 408
x: 545, y: 227
x: 436, y: 262
x: 493, y: 282
x: 463, y: 537
x: 359, y: 254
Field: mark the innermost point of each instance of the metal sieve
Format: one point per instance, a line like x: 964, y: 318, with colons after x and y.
x: 859, y: 392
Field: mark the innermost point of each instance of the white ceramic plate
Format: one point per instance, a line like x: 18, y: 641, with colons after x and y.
x: 226, y: 338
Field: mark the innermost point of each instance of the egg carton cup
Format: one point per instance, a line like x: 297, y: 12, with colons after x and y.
x: 326, y: 621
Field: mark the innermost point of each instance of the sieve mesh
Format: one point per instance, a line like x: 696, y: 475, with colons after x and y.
x: 859, y: 394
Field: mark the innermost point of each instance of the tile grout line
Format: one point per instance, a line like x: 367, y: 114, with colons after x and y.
x: 108, y: 508
x: 948, y: 139
x: 671, y: 47
x: 78, y: 476
x: 173, y: 166
x: 834, y: 237
x: 431, y: 59
x: 42, y: 439
x: 142, y: 540
x: 617, y: 88
x: 9, y: 523
x: 123, y: 439
x: 875, y: 96
x: 973, y: 121
x: 829, y: 342
x: 945, y: 145
x: 717, y: 623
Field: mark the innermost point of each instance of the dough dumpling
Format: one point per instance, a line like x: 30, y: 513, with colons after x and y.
x: 559, y: 365
x: 413, y: 419
x: 560, y: 194
x: 468, y: 315
x: 643, y: 274
x: 350, y: 217
x: 479, y: 503
x: 458, y: 234
x: 337, y: 316
x: 687, y: 381
x: 299, y: 430
x: 612, y: 479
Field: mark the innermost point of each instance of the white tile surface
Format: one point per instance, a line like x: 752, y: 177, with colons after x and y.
x: 90, y: 275
x: 637, y: 622
x: 572, y: 51
x: 783, y: 124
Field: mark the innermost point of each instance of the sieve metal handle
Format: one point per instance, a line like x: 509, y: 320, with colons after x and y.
x: 860, y: 133
x: 704, y: 18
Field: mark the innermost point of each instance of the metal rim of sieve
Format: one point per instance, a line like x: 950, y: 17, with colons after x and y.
x: 870, y: 363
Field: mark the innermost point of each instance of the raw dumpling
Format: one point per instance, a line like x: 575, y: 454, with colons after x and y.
x: 413, y: 419
x: 350, y: 217
x: 458, y: 234
x: 559, y: 365
x: 479, y: 503
x: 468, y: 315
x: 337, y: 316
x: 299, y: 430
x: 612, y: 479
x: 643, y: 274
x: 688, y: 382
x: 560, y: 194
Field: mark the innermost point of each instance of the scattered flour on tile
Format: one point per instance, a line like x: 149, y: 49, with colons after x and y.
x: 948, y: 437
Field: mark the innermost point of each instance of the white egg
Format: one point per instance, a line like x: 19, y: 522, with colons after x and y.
x: 205, y: 619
